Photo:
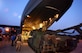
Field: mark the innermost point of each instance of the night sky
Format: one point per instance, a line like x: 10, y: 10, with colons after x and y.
x: 11, y: 12
x: 72, y: 17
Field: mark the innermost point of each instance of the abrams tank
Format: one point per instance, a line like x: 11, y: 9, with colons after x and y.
x: 39, y: 15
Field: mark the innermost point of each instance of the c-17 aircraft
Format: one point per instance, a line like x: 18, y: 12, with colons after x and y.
x: 41, y: 14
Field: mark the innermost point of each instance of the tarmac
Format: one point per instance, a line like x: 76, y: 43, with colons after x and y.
x: 78, y: 48
x: 6, y: 47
